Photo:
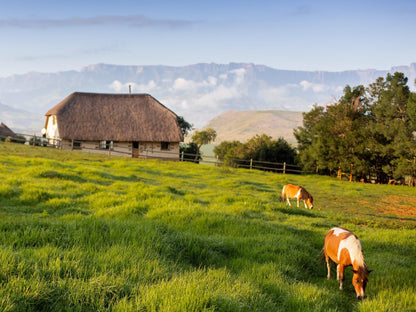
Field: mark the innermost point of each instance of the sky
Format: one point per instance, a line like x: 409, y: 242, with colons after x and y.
x: 60, y: 35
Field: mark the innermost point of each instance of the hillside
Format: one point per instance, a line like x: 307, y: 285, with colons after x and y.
x: 243, y: 125
x: 87, y: 232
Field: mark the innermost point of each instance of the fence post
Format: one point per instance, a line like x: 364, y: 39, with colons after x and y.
x: 182, y: 155
x: 34, y: 140
x: 284, y: 168
x: 251, y: 163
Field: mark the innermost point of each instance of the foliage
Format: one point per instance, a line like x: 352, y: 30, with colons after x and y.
x: 203, y: 137
x: 17, y: 139
x: 184, y: 125
x: 38, y: 141
x: 258, y: 148
x: 189, y: 150
x: 367, y: 132
x: 90, y: 232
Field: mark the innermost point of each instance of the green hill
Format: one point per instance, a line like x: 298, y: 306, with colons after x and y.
x: 85, y: 232
x: 243, y: 125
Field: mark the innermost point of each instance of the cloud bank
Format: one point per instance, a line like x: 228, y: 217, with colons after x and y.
x: 201, y: 100
x: 129, y: 20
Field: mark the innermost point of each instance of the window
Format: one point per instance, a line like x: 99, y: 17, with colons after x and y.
x: 76, y: 145
x: 106, y: 145
x: 164, y: 146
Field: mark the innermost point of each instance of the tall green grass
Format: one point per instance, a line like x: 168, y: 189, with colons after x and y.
x: 83, y: 232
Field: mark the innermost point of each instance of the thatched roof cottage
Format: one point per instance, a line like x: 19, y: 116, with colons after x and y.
x: 134, y: 125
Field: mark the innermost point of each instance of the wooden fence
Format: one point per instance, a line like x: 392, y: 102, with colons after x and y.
x: 36, y: 140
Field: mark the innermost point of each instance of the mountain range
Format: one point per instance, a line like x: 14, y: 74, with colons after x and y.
x: 198, y: 92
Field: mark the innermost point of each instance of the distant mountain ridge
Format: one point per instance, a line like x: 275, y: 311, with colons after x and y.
x: 20, y: 121
x: 198, y: 92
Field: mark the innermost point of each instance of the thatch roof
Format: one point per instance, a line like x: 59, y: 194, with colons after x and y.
x: 116, y: 117
x: 5, y: 131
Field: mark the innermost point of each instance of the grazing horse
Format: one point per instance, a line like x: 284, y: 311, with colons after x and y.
x: 292, y: 191
x: 344, y: 248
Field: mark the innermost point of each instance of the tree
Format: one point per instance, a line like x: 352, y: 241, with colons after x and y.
x: 188, y: 150
x: 184, y: 125
x: 227, y: 151
x: 368, y: 131
x: 258, y: 148
x: 308, y: 135
x: 203, y: 137
x: 392, y: 126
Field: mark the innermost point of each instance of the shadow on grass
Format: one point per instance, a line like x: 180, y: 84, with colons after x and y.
x: 294, y: 253
x: 292, y: 210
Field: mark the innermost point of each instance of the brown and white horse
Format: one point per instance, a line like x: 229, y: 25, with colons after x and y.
x: 292, y: 191
x: 344, y: 248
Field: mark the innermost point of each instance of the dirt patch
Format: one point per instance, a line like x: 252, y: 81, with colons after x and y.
x: 398, y: 205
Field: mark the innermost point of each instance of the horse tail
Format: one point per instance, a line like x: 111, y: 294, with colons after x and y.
x: 322, y: 255
x: 282, y: 198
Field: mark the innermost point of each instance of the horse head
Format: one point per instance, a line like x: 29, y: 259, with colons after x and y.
x: 359, y: 281
x: 309, y: 200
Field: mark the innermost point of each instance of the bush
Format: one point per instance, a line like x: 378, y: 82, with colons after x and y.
x: 189, y: 151
x: 37, y: 141
x: 17, y: 139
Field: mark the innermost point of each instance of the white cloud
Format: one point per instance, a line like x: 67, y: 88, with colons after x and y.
x: 239, y: 75
x: 223, y: 76
x: 273, y: 94
x: 219, y: 94
x: 130, y: 20
x: 315, y: 87
x: 181, y: 84
x: 135, y: 88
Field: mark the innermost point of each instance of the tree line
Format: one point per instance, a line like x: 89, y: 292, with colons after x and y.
x: 369, y: 133
x: 258, y: 148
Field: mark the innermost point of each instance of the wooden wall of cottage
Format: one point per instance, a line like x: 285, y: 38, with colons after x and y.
x: 125, y: 149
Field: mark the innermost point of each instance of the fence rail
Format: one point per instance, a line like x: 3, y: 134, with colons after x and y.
x: 121, y: 150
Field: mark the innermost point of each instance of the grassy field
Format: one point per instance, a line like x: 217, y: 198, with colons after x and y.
x: 83, y: 232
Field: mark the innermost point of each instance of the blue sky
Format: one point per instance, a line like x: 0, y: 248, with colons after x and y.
x: 51, y: 36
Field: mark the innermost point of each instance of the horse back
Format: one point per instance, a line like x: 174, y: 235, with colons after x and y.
x: 333, y: 239
x: 290, y: 190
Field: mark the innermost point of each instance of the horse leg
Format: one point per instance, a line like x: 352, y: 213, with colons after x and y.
x: 298, y: 201
x: 337, y: 272
x: 304, y: 202
x: 288, y: 201
x: 328, y: 266
x: 341, y: 275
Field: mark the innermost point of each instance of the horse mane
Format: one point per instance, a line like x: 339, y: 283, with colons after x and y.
x: 360, y: 256
x: 360, y: 260
x: 306, y: 192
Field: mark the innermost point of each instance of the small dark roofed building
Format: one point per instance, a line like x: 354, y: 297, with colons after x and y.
x: 5, y: 132
x: 133, y: 125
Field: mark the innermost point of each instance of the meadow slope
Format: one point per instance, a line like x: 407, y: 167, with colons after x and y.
x: 83, y: 232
